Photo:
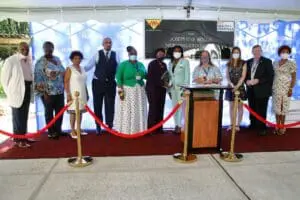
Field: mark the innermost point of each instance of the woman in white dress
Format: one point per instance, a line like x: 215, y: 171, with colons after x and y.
x: 284, y: 82
x: 131, y: 115
x: 75, y: 81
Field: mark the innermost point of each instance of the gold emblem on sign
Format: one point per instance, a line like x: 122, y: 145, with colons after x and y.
x: 153, y: 23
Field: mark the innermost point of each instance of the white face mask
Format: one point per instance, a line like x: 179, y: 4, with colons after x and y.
x: 132, y: 57
x: 235, y: 55
x: 177, y: 55
x: 284, y: 55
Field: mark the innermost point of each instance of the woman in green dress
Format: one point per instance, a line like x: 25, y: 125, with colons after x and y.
x: 131, y: 115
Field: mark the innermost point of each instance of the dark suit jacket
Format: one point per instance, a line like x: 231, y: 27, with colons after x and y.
x: 154, y: 74
x: 264, y: 73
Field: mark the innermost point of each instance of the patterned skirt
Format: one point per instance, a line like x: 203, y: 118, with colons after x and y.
x: 280, y: 102
x: 131, y: 113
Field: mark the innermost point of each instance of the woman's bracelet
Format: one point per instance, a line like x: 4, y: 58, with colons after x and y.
x: 121, y: 93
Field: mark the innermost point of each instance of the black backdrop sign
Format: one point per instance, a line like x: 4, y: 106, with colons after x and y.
x: 193, y: 36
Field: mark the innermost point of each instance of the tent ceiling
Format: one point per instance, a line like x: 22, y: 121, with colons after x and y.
x: 287, y: 6
x: 118, y: 10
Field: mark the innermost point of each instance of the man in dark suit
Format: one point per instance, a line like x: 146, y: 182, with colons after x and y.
x: 104, y: 84
x: 259, y: 82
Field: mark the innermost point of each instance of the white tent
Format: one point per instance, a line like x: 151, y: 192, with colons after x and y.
x: 114, y: 10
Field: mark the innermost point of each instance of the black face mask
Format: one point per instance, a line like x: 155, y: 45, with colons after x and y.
x: 161, y: 59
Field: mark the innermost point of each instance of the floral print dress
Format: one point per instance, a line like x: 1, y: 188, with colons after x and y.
x: 281, y: 85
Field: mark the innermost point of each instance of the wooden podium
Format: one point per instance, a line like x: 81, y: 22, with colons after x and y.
x: 205, y: 115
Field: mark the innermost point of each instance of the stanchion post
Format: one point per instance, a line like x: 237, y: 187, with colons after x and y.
x: 79, y: 161
x: 231, y: 156
x: 186, y: 157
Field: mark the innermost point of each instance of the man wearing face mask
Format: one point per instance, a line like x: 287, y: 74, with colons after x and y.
x: 16, y: 79
x: 259, y: 80
x: 132, y: 105
x: 157, y: 81
x: 105, y: 62
x: 179, y: 69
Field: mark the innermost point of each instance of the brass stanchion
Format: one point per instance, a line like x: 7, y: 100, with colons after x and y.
x: 231, y: 156
x: 79, y: 161
x: 186, y: 157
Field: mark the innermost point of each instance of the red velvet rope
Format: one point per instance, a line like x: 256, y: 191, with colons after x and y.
x: 133, y: 135
x: 36, y: 134
x: 257, y: 116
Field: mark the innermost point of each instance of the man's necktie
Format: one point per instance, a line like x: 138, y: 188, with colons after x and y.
x: 253, y: 69
x: 106, y: 56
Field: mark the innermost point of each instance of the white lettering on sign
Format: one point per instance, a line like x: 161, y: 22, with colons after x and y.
x: 225, y: 26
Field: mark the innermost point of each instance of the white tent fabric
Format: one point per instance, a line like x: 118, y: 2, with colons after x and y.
x: 116, y: 11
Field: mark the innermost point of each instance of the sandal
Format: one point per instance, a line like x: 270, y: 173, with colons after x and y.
x: 177, y: 130
x: 281, y: 131
x: 276, y: 131
x: 229, y: 128
x: 73, y: 135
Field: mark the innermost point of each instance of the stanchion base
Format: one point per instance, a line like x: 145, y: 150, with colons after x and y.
x: 83, y: 162
x: 190, y: 158
x: 231, y: 157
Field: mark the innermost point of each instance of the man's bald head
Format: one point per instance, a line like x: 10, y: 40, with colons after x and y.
x: 23, y: 48
x: 107, y: 44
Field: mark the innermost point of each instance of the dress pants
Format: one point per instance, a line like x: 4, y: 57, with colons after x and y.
x: 55, y: 104
x: 176, y: 94
x: 20, y: 115
x: 156, y: 98
x: 107, y: 93
x: 259, y: 105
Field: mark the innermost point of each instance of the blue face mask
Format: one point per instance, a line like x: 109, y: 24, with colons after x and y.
x: 132, y: 57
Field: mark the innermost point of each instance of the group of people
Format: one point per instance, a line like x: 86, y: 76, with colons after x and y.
x: 262, y: 79
x: 134, y: 85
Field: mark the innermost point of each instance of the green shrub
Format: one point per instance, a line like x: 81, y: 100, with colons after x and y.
x: 2, y: 94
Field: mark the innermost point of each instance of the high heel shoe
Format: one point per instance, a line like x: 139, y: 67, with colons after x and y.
x: 73, y: 135
x: 229, y: 128
x: 177, y: 130
x: 276, y: 131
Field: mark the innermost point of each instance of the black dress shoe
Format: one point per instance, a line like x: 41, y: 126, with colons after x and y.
x: 98, y: 132
x: 62, y: 133
x: 262, y: 133
x: 251, y: 126
x: 54, y: 136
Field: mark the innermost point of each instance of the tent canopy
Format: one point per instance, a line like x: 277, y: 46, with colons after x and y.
x: 116, y: 10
